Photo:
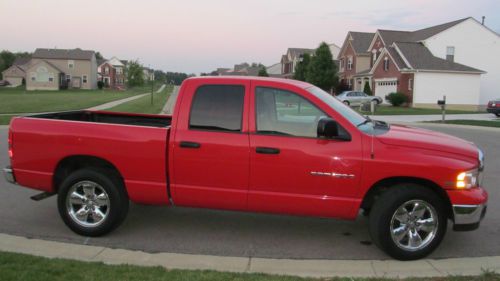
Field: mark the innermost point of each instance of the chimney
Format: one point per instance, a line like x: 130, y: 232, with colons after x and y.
x: 482, y: 21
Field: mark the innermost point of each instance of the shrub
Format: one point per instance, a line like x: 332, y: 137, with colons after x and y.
x: 100, y: 85
x: 396, y: 99
x: 367, y: 89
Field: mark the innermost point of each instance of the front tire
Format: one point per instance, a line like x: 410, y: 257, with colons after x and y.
x: 376, y: 101
x: 91, y: 202
x: 346, y: 102
x: 497, y: 114
x: 408, y: 221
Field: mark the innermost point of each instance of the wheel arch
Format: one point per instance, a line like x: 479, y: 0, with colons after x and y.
x: 73, y: 163
x: 385, y: 184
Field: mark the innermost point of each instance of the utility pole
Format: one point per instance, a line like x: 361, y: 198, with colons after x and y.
x: 152, y: 83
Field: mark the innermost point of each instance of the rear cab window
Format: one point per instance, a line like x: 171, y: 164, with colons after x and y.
x: 217, y: 108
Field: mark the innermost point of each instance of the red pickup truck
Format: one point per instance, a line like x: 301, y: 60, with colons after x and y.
x: 258, y: 145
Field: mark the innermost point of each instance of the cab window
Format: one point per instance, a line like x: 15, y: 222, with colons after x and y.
x: 280, y: 112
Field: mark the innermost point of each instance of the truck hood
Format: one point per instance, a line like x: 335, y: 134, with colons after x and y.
x: 426, y: 139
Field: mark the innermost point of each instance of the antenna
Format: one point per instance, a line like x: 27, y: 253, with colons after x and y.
x: 482, y: 21
x: 372, y: 153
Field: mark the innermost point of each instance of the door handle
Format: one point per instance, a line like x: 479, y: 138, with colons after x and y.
x: 267, y: 150
x: 190, y: 144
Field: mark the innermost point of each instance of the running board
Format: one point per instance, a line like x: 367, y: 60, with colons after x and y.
x: 41, y: 196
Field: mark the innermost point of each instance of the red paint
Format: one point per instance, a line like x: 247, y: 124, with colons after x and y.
x: 227, y: 173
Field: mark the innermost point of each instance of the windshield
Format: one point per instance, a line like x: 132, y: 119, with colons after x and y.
x: 355, y: 118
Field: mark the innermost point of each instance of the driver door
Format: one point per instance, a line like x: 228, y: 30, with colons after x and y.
x: 291, y: 170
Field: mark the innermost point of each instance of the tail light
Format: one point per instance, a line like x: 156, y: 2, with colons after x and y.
x: 11, y: 151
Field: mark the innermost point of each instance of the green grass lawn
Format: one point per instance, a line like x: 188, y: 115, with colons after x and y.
x: 494, y: 124
x: 143, y: 105
x: 392, y: 110
x: 28, y: 268
x: 18, y: 100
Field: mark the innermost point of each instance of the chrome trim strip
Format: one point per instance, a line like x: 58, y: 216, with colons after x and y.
x: 467, y: 214
x: 9, y: 174
x: 335, y: 175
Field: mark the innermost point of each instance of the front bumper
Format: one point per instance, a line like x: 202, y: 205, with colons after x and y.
x: 468, y: 217
x: 9, y: 174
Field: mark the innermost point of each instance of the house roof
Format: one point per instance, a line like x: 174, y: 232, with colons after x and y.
x: 361, y: 41
x: 72, y: 54
x: 296, y: 52
x: 21, y: 61
x: 420, y: 58
x: 391, y: 36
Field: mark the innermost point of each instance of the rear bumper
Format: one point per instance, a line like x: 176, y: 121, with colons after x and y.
x: 493, y: 110
x: 9, y: 174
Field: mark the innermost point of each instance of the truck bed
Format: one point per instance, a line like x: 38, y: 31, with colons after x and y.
x: 131, y: 119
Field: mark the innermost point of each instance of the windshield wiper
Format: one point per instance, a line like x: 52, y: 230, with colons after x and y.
x: 367, y: 120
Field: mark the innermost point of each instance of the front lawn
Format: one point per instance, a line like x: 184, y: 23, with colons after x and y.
x: 27, y: 268
x: 18, y: 100
x: 481, y: 123
x: 394, y: 110
x: 143, y: 105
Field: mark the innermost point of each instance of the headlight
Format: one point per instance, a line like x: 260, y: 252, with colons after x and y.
x: 468, y: 179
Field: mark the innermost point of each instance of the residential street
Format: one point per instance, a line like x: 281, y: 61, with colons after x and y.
x: 183, y: 230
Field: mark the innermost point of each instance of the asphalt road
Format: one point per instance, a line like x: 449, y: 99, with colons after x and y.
x: 184, y: 230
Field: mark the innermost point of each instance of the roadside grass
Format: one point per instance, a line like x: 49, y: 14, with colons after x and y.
x: 29, y: 268
x: 18, y: 100
x: 143, y: 105
x: 394, y: 110
x: 5, y: 119
x: 481, y: 123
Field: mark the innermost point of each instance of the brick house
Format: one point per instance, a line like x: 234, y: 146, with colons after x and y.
x: 426, y: 64
x: 354, y: 60
x: 17, y: 72
x: 112, y: 73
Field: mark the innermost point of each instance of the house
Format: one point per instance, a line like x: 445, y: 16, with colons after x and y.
x: 290, y: 60
x: 354, y: 60
x: 112, y: 73
x: 453, y: 59
x: 53, y: 69
x: 274, y: 70
x: 148, y: 74
x: 16, y: 74
x: 242, y: 69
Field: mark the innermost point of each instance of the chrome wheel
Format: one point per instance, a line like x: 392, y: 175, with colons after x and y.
x: 414, y: 225
x: 87, y: 203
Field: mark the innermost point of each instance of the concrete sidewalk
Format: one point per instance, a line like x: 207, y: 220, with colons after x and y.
x: 304, y: 268
x: 118, y: 102
x: 435, y: 117
x: 169, y: 105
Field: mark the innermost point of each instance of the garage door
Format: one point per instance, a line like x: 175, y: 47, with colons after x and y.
x: 383, y: 88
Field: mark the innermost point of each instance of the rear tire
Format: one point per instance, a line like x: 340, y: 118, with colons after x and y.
x: 346, y: 102
x: 376, y: 101
x: 92, y: 202
x: 408, y: 221
x: 497, y: 114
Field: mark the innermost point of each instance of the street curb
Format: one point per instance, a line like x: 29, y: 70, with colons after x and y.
x: 303, y: 268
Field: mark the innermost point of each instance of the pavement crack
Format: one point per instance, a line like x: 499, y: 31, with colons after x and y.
x: 98, y: 253
x: 435, y: 268
x: 247, y: 269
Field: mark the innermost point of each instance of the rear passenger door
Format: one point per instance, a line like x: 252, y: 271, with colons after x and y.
x: 211, y: 146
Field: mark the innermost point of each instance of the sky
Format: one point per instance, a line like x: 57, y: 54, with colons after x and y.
x: 196, y: 36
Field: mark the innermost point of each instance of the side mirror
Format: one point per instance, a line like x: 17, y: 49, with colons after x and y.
x: 329, y: 128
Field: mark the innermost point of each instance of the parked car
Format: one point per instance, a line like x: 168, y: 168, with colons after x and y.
x: 258, y: 145
x: 4, y: 83
x: 357, y: 98
x: 494, y: 107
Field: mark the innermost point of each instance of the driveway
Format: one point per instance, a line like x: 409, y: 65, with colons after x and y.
x: 223, y: 233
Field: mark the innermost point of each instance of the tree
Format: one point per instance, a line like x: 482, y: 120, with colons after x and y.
x: 98, y: 56
x: 134, y: 74
x: 263, y: 72
x: 322, y: 71
x: 301, y: 68
x: 367, y: 89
